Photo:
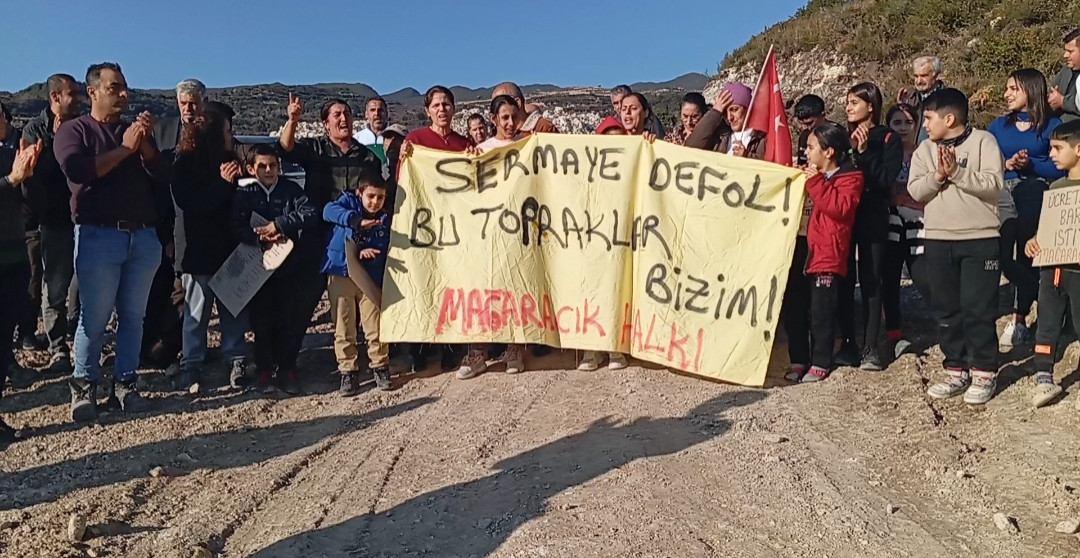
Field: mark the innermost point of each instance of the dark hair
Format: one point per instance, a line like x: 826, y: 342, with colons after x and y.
x: 1071, y: 36
x: 371, y: 177
x: 1033, y: 82
x: 375, y: 98
x: 475, y: 116
x: 500, y: 101
x: 902, y: 107
x: 93, y: 73
x: 623, y: 90
x: 641, y: 99
x: 205, y: 140
x: 5, y: 111
x: 834, y: 136
x: 809, y: 106
x: 1068, y: 132
x: 324, y: 112
x: 221, y: 108
x: 260, y: 150
x: 429, y: 97
x: 696, y: 99
x: 56, y: 82
x: 948, y: 101
x: 870, y: 94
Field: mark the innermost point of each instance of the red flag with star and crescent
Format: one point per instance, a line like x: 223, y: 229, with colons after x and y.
x: 767, y: 114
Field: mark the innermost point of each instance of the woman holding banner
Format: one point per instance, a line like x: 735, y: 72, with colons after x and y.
x: 879, y: 153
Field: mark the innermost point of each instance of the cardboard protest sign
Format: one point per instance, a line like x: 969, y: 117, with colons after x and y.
x: 1059, y: 227
x: 673, y: 255
x: 246, y: 269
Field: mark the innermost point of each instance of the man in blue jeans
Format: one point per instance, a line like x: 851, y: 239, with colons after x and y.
x: 109, y: 165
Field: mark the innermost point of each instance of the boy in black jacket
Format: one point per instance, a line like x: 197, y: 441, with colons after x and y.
x: 275, y: 308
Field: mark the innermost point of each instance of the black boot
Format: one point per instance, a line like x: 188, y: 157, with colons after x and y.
x: 418, y: 358
x: 131, y: 401
x: 350, y: 383
x: 848, y: 355
x: 83, y: 400
x: 382, y: 377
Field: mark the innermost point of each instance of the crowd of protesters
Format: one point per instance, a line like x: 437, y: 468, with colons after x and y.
x: 106, y: 213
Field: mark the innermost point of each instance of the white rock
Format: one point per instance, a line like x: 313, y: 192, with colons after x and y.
x: 891, y: 509
x: 76, y: 527
x: 1005, y: 523
x: 1068, y: 527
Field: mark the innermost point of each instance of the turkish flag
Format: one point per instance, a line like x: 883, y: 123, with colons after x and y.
x: 767, y: 114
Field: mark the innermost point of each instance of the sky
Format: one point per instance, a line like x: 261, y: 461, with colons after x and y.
x: 387, y: 45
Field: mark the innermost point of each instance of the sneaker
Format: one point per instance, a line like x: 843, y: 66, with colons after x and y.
x: 871, y: 361
x: 265, y: 382
x: 515, y: 364
x: 33, y: 343
x: 815, y: 374
x: 617, y: 361
x: 60, y: 363
x: 350, y: 383
x: 172, y: 370
x: 1044, y: 393
x: 83, y: 400
x: 131, y: 401
x: 954, y: 384
x: 288, y: 382
x: 591, y: 361
x: 1016, y: 334
x: 238, y: 374
x: 451, y: 358
x: 795, y: 373
x: 901, y: 347
x: 848, y: 355
x: 382, y: 378
x: 475, y: 363
x: 983, y: 386
x: 188, y: 380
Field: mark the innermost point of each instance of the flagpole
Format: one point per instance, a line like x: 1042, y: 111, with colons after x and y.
x: 753, y: 94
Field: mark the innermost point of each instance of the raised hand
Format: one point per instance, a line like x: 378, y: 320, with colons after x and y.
x: 723, y: 100
x: 295, y: 108
x: 368, y: 223
x: 948, y: 161
x: 147, y: 120
x: 738, y: 150
x: 25, y: 160
x: 860, y: 138
x: 230, y: 171
x: 1055, y: 98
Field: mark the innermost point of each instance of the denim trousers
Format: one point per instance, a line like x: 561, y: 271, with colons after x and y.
x: 199, y: 301
x: 115, y: 269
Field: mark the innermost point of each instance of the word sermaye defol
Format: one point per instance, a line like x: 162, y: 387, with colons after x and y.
x: 674, y: 255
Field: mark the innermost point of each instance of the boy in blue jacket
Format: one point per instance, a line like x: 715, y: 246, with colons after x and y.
x: 275, y: 308
x: 360, y: 216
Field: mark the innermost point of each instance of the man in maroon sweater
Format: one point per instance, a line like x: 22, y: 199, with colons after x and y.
x: 110, y: 166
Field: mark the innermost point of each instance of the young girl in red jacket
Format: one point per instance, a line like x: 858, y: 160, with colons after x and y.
x: 834, y: 186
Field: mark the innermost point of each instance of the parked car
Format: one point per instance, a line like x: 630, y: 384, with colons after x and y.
x: 292, y: 171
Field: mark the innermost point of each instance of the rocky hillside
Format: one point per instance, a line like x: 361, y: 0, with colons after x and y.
x: 261, y: 108
x: 829, y: 45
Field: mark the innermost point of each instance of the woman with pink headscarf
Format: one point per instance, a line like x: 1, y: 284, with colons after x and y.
x: 724, y: 128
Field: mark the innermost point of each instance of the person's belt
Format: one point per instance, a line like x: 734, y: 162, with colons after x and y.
x: 125, y: 226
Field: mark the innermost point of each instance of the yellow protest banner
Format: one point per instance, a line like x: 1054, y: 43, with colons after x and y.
x: 673, y: 255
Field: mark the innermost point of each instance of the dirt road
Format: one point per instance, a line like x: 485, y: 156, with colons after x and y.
x: 551, y: 463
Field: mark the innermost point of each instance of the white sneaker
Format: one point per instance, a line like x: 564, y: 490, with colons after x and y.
x: 589, y: 362
x: 617, y: 361
x: 952, y: 385
x: 1016, y: 334
x: 983, y: 387
x: 475, y: 363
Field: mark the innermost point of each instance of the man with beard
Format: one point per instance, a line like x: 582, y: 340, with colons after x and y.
x: 332, y: 164
x: 162, y: 336
x: 50, y: 199
x: 113, y: 169
x: 926, y: 73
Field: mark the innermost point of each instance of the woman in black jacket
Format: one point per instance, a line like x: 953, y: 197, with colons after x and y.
x: 203, y: 184
x: 879, y: 153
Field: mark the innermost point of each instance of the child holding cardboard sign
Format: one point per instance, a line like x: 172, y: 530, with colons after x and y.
x: 358, y: 216
x: 1059, y: 285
